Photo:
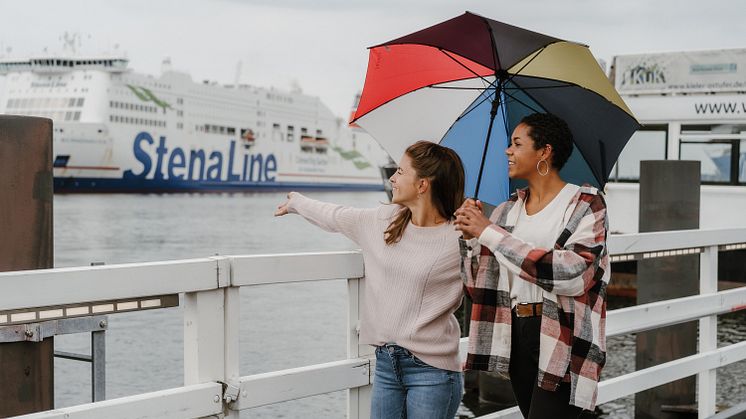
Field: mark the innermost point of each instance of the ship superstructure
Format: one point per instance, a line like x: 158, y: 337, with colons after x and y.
x: 118, y: 130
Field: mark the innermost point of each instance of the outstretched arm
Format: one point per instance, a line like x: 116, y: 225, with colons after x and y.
x: 329, y: 217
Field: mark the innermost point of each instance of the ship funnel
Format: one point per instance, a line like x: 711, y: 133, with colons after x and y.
x: 166, y: 65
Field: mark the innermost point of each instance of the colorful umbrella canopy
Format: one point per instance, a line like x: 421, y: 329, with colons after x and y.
x: 468, y: 81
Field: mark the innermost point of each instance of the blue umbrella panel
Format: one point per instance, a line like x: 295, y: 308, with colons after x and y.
x: 468, y: 137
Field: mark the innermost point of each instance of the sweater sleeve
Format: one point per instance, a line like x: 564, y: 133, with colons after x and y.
x: 570, y: 270
x: 474, y: 264
x: 332, y: 217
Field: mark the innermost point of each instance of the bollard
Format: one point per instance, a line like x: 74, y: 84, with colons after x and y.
x: 669, y: 200
x: 26, y: 368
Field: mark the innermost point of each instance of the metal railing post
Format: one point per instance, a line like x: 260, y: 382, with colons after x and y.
x: 232, y: 330
x: 358, y: 399
x: 204, y: 333
x: 708, y: 339
x: 98, y: 365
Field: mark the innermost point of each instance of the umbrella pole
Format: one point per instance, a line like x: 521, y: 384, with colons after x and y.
x: 493, y: 113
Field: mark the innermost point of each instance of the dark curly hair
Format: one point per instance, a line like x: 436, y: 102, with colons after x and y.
x: 546, y: 128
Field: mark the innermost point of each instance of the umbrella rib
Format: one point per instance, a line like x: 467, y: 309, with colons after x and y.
x: 540, y: 87
x: 463, y: 65
x: 523, y: 103
x: 474, y: 107
x: 456, y: 88
x: 525, y: 65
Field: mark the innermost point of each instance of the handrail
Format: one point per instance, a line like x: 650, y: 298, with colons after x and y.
x: 210, y: 287
x: 671, y: 240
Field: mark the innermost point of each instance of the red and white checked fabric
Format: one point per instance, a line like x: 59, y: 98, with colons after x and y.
x: 573, y: 276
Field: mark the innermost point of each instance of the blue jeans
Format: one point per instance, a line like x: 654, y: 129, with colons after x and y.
x: 406, y: 387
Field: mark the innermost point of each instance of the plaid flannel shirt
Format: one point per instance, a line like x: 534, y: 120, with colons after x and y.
x: 573, y: 277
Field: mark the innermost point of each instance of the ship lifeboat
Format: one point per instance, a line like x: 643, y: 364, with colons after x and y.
x: 321, y: 144
x: 307, y: 143
x: 247, y: 138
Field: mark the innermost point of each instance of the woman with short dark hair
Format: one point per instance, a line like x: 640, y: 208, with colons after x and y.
x: 537, y: 271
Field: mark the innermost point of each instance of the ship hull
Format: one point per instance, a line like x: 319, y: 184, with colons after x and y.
x: 112, y: 185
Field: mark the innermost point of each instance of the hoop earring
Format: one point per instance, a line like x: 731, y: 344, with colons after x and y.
x: 538, y: 169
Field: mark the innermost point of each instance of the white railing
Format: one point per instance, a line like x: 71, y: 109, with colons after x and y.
x: 213, y: 385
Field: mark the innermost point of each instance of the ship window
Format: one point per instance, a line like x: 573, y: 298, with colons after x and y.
x: 721, y: 160
x: 68, y: 116
x: 80, y: 101
x: 231, y: 131
x: 61, y: 160
x: 276, y: 126
x: 303, y: 130
x: 291, y: 133
x: 71, y: 102
x: 77, y: 116
x: 742, y: 163
x: 319, y: 132
x: 648, y: 143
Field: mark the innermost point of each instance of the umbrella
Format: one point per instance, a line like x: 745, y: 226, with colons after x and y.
x: 467, y: 82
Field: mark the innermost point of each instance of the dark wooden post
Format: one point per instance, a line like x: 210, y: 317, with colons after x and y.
x: 26, y: 368
x: 669, y: 200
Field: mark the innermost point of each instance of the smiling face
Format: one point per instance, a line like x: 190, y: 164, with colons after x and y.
x: 405, y: 182
x: 522, y: 156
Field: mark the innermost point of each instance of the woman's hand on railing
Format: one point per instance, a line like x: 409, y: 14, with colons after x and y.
x: 282, y: 209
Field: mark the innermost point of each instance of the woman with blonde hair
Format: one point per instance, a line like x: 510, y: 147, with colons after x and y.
x: 412, y: 284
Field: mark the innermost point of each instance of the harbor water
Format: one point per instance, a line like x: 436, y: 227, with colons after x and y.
x: 282, y: 326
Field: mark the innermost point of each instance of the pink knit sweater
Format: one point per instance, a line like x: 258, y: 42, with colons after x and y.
x: 411, y: 288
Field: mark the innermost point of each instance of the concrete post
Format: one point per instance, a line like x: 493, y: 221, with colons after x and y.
x: 669, y: 200
x: 26, y: 368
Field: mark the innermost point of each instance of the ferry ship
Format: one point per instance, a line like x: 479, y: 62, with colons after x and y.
x: 116, y: 130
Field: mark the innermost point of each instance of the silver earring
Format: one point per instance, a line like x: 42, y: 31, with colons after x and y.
x: 538, y: 168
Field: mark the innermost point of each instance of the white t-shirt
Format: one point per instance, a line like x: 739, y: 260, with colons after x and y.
x: 539, y: 230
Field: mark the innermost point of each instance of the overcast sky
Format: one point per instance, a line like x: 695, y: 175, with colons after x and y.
x: 321, y: 44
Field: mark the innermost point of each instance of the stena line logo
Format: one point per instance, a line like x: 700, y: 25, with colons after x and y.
x: 161, y: 162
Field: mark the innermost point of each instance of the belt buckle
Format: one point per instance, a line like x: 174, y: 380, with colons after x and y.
x: 526, y: 309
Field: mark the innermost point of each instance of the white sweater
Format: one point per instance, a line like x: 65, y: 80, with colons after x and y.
x: 411, y: 287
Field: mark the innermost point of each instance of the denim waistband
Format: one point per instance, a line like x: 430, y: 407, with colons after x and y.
x: 392, y: 348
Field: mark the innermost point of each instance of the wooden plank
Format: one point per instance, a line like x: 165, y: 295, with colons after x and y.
x: 681, y: 239
x: 273, y: 269
x: 280, y: 386
x: 178, y: 403
x: 664, y: 313
x: 509, y: 413
x: 50, y: 287
x: 637, y: 381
